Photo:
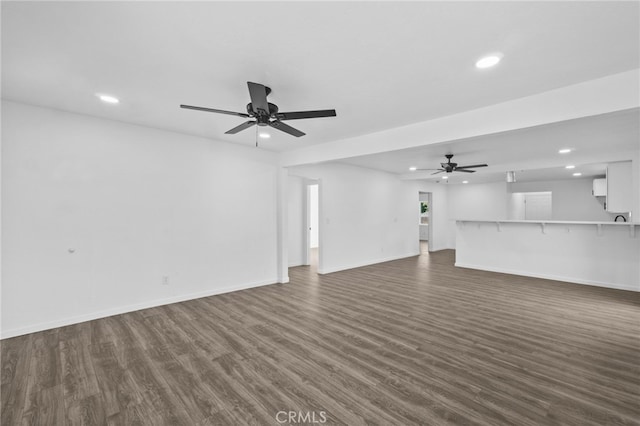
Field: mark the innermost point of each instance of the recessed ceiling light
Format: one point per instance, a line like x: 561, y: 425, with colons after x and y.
x: 445, y: 177
x: 577, y: 174
x: 489, y: 61
x: 108, y: 99
x: 570, y: 166
x: 413, y: 169
x: 564, y: 151
x: 264, y: 135
x: 465, y: 181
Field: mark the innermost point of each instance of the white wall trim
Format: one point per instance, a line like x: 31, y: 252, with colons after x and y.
x: 548, y: 277
x: 367, y: 263
x: 131, y: 308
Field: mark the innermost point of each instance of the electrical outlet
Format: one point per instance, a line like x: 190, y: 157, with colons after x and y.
x: 165, y: 280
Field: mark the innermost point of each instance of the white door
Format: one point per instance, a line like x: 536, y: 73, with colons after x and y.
x: 537, y: 206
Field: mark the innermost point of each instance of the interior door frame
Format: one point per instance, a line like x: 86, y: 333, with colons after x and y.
x: 306, y: 255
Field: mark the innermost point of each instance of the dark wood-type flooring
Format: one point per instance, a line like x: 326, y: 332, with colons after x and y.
x: 413, y: 341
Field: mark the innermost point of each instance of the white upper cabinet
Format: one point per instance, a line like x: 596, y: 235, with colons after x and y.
x: 599, y: 187
x: 619, y: 187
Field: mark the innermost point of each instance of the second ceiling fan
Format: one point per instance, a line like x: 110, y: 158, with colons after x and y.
x: 449, y: 167
x: 264, y: 113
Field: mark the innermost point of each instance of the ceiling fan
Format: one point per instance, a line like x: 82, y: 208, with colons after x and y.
x: 265, y: 113
x: 449, y: 167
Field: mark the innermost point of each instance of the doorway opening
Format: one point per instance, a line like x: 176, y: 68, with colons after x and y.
x: 313, y: 225
x: 304, y: 223
x: 425, y: 223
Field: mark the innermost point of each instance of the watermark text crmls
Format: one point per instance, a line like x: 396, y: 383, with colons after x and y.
x: 294, y: 417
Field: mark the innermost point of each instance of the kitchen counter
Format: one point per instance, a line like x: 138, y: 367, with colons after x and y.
x: 604, y: 254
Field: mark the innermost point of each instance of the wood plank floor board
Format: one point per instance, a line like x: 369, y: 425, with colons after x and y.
x: 305, y: 372
x: 85, y: 411
x: 303, y: 368
x: 16, y: 360
x: 386, y: 372
x: 554, y: 360
x: 412, y: 341
x: 336, y: 373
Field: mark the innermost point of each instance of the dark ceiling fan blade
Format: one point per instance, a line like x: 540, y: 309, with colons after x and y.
x: 286, y: 128
x: 439, y: 171
x: 239, y: 128
x: 219, y: 111
x: 258, y: 94
x: 464, y: 170
x: 425, y: 170
x: 471, y: 167
x: 298, y: 115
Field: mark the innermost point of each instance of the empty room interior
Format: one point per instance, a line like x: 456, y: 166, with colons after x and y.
x: 282, y: 213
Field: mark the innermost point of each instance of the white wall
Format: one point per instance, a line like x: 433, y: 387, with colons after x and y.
x: 479, y: 201
x: 366, y: 216
x: 486, y: 201
x: 296, y: 199
x: 515, y: 209
x: 571, y: 199
x: 135, y: 204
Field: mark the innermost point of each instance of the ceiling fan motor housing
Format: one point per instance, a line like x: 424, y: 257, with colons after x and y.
x: 262, y: 119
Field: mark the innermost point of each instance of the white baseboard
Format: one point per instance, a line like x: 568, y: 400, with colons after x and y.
x: 129, y: 308
x: 365, y: 263
x: 437, y: 248
x: 550, y: 277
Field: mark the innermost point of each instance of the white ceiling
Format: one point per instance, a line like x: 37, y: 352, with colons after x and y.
x: 379, y: 64
x: 531, y: 152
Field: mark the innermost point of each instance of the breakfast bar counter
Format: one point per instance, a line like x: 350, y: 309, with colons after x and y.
x: 603, y: 254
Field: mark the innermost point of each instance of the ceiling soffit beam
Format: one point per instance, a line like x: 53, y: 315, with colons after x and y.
x: 616, y: 92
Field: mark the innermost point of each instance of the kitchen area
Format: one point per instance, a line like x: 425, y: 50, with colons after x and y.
x: 588, y: 232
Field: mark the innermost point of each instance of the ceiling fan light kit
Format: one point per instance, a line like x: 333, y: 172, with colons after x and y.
x: 263, y: 113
